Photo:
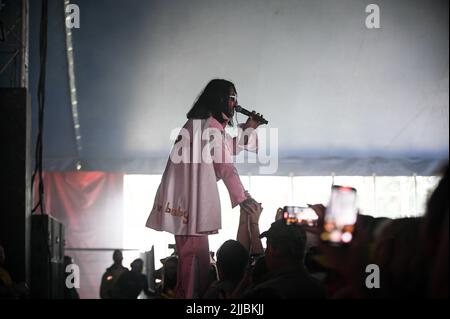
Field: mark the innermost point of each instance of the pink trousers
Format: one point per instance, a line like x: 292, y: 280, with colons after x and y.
x: 193, y: 266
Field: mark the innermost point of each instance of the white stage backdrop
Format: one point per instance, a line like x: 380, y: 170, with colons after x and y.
x: 344, y: 98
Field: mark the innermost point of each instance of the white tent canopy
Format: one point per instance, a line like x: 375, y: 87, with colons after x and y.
x: 344, y: 98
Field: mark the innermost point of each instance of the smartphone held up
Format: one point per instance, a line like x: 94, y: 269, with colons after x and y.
x: 297, y: 215
x: 340, y: 216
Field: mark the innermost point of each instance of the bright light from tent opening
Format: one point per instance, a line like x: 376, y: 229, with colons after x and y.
x: 393, y: 197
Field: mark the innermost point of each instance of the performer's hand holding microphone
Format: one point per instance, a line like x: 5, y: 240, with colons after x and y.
x: 254, y: 119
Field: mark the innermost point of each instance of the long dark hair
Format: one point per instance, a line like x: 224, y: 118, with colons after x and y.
x: 213, y: 101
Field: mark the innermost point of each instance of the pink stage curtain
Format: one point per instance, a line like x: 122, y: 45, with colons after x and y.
x: 90, y: 205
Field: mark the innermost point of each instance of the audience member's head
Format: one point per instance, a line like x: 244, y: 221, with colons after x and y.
x: 434, y: 239
x: 232, y: 260
x: 137, y: 265
x: 285, y: 245
x: 395, y: 251
x: 67, y: 260
x: 437, y: 211
x: 169, y: 273
x: 279, y: 214
x: 117, y: 256
x: 259, y: 270
x: 411, y: 251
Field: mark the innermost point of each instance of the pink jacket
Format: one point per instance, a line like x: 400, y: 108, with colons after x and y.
x: 187, y: 201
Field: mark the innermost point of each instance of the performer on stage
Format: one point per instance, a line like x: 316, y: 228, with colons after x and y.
x: 187, y: 202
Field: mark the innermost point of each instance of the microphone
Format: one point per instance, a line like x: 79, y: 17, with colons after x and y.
x: 260, y: 119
